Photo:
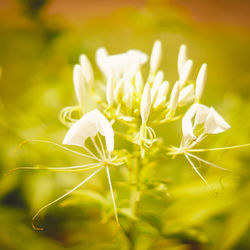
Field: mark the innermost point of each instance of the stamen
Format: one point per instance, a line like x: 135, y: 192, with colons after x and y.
x: 196, y: 170
x: 112, y: 195
x: 62, y: 169
x: 102, y: 147
x: 97, y: 148
x: 222, y: 148
x: 61, y: 197
x: 208, y: 163
x: 60, y: 146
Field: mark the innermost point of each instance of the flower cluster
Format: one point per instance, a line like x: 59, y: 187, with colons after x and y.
x: 140, y: 103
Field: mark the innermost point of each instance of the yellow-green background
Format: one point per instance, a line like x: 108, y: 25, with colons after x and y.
x: 39, y: 44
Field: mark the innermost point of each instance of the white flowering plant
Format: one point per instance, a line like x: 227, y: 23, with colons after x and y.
x: 136, y: 105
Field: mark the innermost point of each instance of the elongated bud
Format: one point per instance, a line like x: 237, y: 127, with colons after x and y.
x: 146, y: 103
x: 200, y: 81
x: 119, y: 91
x: 182, y: 58
x: 79, y: 84
x: 162, y: 94
x: 185, y: 73
x: 156, y: 57
x: 87, y: 69
x: 156, y: 84
x: 174, y: 98
x: 110, y: 91
x: 187, y: 94
x: 138, y: 82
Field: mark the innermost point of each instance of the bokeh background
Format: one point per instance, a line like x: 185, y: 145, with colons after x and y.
x: 40, y: 41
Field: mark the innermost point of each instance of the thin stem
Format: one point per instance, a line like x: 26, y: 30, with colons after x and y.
x: 196, y: 170
x: 61, y: 197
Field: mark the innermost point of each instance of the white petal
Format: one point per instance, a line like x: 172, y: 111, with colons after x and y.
x: 174, y: 98
x: 119, y: 64
x: 146, y: 103
x: 156, y: 56
x: 182, y: 58
x: 186, y: 71
x: 214, y: 123
x: 187, y: 126
x: 187, y: 94
x: 87, y: 69
x: 88, y: 126
x: 119, y: 90
x: 201, y: 114
x: 200, y: 81
x: 79, y: 84
x: 129, y: 92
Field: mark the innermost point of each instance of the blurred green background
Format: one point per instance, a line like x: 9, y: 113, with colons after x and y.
x: 40, y: 41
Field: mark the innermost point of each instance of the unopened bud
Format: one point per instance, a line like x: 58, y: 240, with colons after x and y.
x: 182, y: 58
x: 156, y: 57
x: 119, y: 90
x: 79, y: 84
x: 200, y: 81
x: 146, y: 103
x: 110, y: 91
x: 87, y: 69
x: 185, y: 73
x: 174, y: 98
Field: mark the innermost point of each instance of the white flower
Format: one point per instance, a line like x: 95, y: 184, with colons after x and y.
x: 156, y: 57
x: 200, y: 81
x: 146, y: 103
x: 117, y: 65
x: 88, y: 126
x: 79, y: 84
x: 182, y: 58
x: 87, y: 69
x: 129, y: 93
x: 212, y: 122
x: 174, y: 98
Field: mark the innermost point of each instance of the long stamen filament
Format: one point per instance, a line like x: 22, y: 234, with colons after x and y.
x: 61, y: 197
x: 196, y: 170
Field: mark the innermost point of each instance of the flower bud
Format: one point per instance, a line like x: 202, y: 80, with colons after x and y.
x: 156, y: 84
x: 182, y: 58
x: 87, y: 69
x: 185, y: 73
x: 162, y: 94
x: 156, y: 56
x: 110, y: 91
x: 174, y: 98
x: 187, y: 94
x: 79, y: 84
x: 200, y: 81
x: 145, y: 103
